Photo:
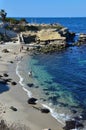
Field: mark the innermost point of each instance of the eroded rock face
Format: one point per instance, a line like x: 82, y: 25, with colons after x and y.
x: 48, y: 39
x: 67, y: 34
x: 82, y: 39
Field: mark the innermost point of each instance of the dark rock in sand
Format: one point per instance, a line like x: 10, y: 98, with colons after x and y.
x: 11, y: 62
x: 5, y: 75
x: 13, y: 83
x: 5, y: 51
x: 45, y: 110
x: 30, y: 85
x: 7, y: 80
x: 1, y: 76
x: 13, y: 108
x: 32, y: 101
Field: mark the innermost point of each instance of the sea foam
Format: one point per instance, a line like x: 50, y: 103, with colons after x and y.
x: 21, y: 80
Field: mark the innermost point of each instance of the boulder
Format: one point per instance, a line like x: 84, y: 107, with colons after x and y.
x: 13, y: 83
x: 5, y: 75
x: 11, y: 62
x: 7, y: 80
x: 32, y: 101
x: 13, y: 108
x: 67, y: 34
x: 72, y: 124
x: 45, y: 110
x: 5, y: 51
x: 30, y: 85
x: 82, y: 39
x: 1, y: 76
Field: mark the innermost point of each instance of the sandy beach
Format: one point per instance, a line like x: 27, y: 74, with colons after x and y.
x: 15, y: 96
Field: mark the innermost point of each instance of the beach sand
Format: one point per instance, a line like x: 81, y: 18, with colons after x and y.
x: 17, y: 97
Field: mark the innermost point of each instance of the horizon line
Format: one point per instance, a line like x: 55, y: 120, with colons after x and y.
x: 45, y: 17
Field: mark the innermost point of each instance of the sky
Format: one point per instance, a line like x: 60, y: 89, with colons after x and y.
x: 44, y: 8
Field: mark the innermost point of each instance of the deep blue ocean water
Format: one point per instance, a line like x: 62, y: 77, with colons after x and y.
x: 77, y: 25
x: 61, y: 76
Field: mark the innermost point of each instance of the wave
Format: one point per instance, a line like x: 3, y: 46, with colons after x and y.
x: 21, y: 81
x: 54, y: 114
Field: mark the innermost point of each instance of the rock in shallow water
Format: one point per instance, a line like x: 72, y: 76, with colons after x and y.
x: 72, y: 124
x: 30, y: 85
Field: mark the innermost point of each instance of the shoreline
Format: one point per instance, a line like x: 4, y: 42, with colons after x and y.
x: 17, y: 97
x: 30, y: 94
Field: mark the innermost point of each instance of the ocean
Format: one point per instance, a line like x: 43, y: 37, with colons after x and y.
x: 59, y: 78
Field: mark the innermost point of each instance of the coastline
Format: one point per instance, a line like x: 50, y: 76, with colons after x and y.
x: 17, y: 97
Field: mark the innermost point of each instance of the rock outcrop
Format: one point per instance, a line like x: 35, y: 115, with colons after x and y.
x: 82, y: 39
x: 73, y: 124
x: 48, y: 38
x: 67, y: 34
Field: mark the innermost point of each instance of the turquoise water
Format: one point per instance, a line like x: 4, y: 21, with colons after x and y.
x: 45, y: 80
x: 62, y: 74
x: 59, y: 80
